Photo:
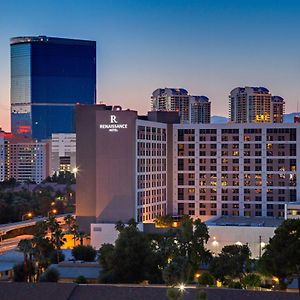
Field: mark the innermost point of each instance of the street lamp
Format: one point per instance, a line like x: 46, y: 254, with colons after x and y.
x: 28, y: 215
x: 53, y: 211
x: 75, y: 171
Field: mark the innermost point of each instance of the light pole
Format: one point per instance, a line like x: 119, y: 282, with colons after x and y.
x: 28, y: 215
x: 53, y: 211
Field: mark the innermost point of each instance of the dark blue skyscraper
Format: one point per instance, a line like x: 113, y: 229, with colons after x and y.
x: 49, y: 76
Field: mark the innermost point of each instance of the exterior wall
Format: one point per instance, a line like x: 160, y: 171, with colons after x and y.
x: 25, y: 159
x: 2, y: 159
x: 255, y: 237
x: 106, y: 160
x: 104, y: 233
x: 235, y: 169
x: 192, y: 109
x: 255, y: 105
x: 151, y: 177
x: 49, y: 76
x: 63, y: 152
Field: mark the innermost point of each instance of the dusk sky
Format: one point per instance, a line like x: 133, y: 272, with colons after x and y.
x: 208, y: 47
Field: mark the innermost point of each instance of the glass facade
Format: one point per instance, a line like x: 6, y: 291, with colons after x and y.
x: 49, y: 76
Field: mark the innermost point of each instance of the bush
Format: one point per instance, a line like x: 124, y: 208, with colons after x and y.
x: 235, y: 285
x: 251, y: 280
x: 80, y: 280
x: 50, y: 275
x: 85, y: 253
x: 206, y: 279
x: 174, y: 294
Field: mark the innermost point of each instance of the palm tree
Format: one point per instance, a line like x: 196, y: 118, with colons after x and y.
x: 57, y: 240
x: 26, y: 247
x: 70, y: 222
x: 80, y: 236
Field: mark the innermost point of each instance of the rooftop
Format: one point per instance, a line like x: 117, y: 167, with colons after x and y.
x: 50, y: 40
x: 245, y: 221
x: 71, y: 291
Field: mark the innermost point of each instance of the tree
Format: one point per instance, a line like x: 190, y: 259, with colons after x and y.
x: 85, y: 253
x: 206, y: 279
x: 26, y: 247
x: 50, y: 275
x: 251, y: 280
x: 282, y: 255
x: 164, y: 221
x: 131, y: 260
x: 186, y: 245
x: 232, y: 263
x: 70, y: 222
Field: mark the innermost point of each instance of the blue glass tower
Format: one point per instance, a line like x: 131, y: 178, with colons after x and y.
x: 49, y: 76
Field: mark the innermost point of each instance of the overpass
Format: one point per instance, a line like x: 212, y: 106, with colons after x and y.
x: 4, y: 228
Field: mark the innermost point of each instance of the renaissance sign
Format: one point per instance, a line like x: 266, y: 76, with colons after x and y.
x: 113, y: 126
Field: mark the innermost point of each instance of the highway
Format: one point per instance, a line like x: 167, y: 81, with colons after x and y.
x: 9, y: 244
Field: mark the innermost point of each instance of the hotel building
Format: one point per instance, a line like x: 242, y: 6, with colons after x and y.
x: 144, y: 166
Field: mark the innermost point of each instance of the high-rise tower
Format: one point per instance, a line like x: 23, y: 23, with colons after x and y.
x: 255, y: 105
x: 49, y: 76
x: 192, y: 109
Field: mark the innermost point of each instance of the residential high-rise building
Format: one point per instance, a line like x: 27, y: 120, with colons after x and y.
x: 277, y: 109
x: 48, y: 77
x: 200, y: 109
x: 63, y: 153
x: 255, y: 105
x: 24, y: 158
x: 192, y: 109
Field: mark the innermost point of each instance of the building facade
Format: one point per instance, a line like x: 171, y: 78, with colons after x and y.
x: 63, y: 152
x: 255, y: 105
x: 48, y: 77
x: 235, y: 169
x: 147, y: 166
x: 192, y: 109
x: 24, y: 159
x: 200, y: 108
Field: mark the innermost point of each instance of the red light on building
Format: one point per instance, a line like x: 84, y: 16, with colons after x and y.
x: 23, y: 129
x: 296, y: 119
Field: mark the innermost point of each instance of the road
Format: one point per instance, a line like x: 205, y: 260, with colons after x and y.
x: 12, y: 243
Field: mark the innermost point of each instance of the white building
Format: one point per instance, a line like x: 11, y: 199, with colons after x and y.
x: 63, y: 152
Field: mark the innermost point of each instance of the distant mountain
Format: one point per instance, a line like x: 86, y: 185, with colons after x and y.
x: 287, y: 118
x: 218, y: 120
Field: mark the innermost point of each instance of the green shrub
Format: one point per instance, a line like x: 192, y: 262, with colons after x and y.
x: 174, y: 294
x: 235, y: 285
x: 251, y: 280
x: 50, y: 275
x: 85, y: 253
x: 206, y: 279
x: 80, y: 280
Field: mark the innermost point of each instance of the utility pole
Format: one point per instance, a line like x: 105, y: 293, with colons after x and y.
x: 259, y: 254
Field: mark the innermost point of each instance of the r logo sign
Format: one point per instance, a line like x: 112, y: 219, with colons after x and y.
x: 113, y: 119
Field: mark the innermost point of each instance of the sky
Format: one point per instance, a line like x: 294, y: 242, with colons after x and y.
x: 207, y: 47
